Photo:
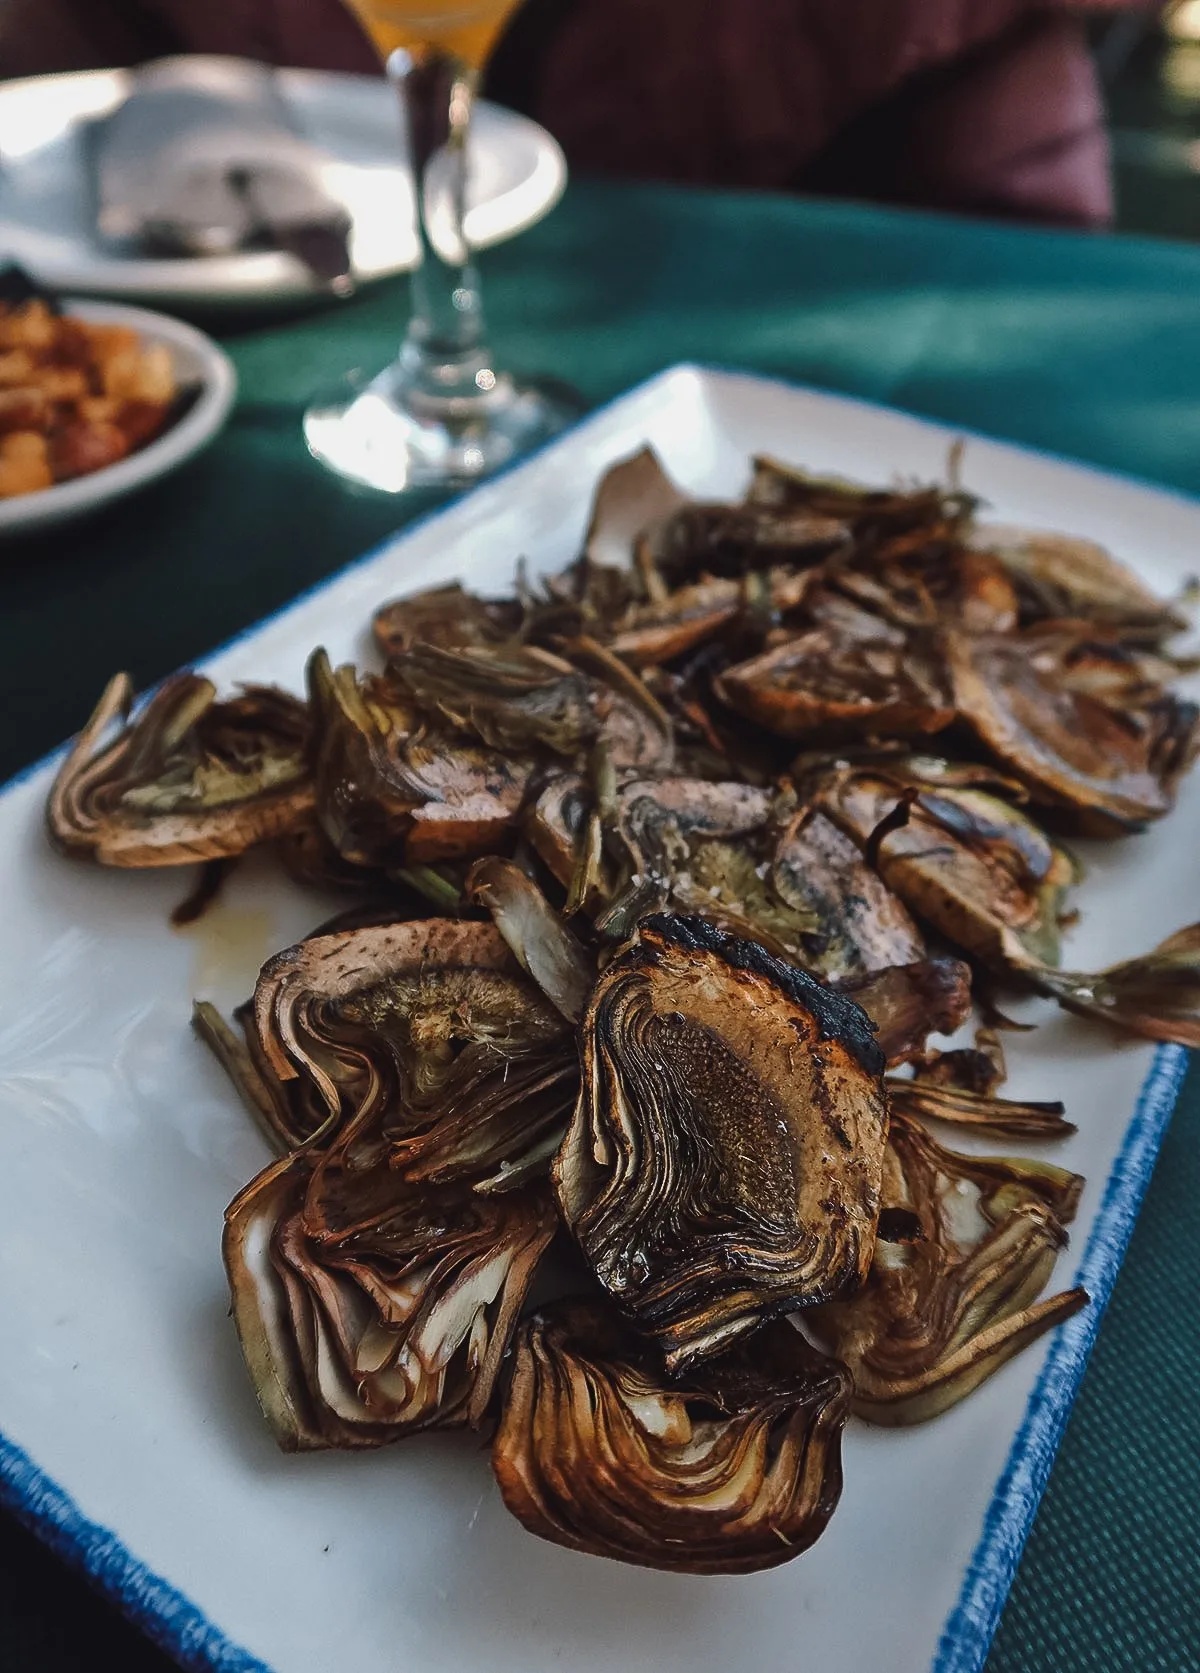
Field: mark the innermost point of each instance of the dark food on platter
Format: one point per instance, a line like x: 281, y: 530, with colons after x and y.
x: 600, y: 1115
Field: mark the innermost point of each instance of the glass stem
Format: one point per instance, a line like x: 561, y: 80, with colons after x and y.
x: 444, y: 361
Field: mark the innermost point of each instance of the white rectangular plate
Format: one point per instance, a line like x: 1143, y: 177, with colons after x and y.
x: 131, y: 1438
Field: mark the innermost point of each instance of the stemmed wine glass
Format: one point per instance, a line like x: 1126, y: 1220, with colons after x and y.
x: 441, y: 415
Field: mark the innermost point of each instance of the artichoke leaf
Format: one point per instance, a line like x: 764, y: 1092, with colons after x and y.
x: 632, y: 495
x: 289, y: 1114
x: 1156, y: 995
x: 908, y: 1002
x: 980, y: 1111
x: 541, y: 943
x: 723, y: 1162
x: 733, y: 1468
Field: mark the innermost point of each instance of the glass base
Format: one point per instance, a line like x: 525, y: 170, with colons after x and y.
x: 391, y: 435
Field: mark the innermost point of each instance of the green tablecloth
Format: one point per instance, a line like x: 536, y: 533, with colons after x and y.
x: 1086, y: 346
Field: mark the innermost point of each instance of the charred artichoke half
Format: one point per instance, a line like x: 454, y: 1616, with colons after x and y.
x: 188, y: 779
x: 965, y: 1247
x: 433, y: 1027
x: 366, y: 1309
x: 980, y: 871
x: 724, y: 1159
x: 735, y: 1467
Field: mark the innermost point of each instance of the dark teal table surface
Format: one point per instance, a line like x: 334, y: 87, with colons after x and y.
x: 1083, y: 345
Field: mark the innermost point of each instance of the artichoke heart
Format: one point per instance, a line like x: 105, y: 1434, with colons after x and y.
x: 698, y: 846
x: 367, y: 1310
x: 965, y: 1247
x: 189, y: 779
x: 724, y: 1159
x: 734, y: 1468
x: 858, y: 925
x: 433, y: 1027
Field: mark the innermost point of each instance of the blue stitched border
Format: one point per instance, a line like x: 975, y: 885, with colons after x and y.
x: 972, y: 1624
x: 178, y: 1626
x: 162, y: 1612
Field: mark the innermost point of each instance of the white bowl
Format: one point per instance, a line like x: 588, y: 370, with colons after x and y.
x: 197, y: 360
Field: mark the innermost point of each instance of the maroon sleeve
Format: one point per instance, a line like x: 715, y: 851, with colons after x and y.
x: 1014, y: 128
x: 989, y: 105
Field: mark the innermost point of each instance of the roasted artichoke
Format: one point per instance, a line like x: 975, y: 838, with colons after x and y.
x: 187, y: 779
x: 734, y: 1467
x: 391, y: 791
x: 971, y: 864
x: 1061, y: 576
x: 965, y: 1246
x: 888, y: 685
x: 1059, y: 711
x: 433, y: 1027
x: 723, y: 1162
x: 368, y: 1309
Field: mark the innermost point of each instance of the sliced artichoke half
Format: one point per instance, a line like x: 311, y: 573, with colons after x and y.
x: 433, y: 1026
x: 366, y: 1309
x: 735, y: 1467
x: 966, y: 1244
x: 723, y: 1162
x: 188, y: 779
